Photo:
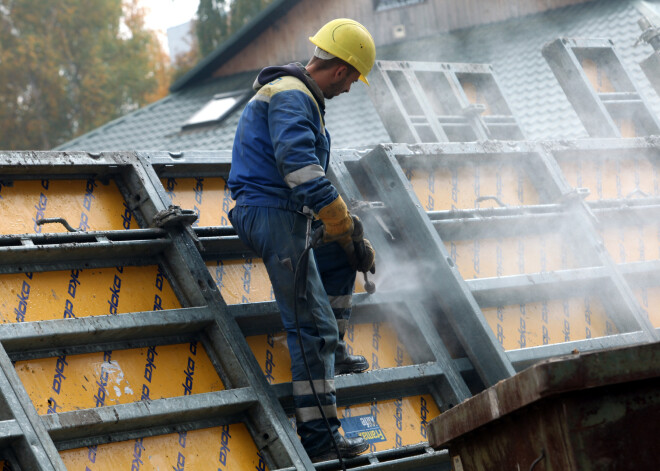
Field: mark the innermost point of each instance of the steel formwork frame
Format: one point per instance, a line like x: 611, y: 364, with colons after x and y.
x: 439, y: 102
x: 651, y: 65
x: 442, y: 300
x: 603, y: 111
x: 204, y: 316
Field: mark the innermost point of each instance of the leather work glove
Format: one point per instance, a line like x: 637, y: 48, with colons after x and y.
x: 364, y: 253
x: 345, y: 229
x: 337, y: 223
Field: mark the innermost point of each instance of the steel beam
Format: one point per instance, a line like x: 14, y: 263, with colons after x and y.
x: 79, y: 428
x: 441, y: 279
x: 10, y: 431
x: 408, y: 458
x: 27, y: 340
x: 224, y: 339
x: 34, y: 450
x: 451, y: 385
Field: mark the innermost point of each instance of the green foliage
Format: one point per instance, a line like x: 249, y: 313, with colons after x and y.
x: 69, y: 66
x: 217, y: 20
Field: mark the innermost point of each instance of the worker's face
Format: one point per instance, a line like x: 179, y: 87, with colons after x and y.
x: 342, y: 82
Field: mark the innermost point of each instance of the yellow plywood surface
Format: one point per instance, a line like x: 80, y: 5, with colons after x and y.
x: 475, y: 96
x: 392, y: 423
x: 229, y: 447
x: 73, y: 382
x: 484, y: 258
x: 209, y: 197
x: 626, y: 243
x: 459, y: 187
x: 548, y: 322
x: 612, y: 178
x: 597, y: 76
x: 378, y: 342
x: 246, y: 281
x: 241, y: 281
x: 649, y: 300
x: 87, y: 205
x: 27, y: 297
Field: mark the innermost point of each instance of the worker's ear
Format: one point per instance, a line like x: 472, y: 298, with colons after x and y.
x: 341, y: 71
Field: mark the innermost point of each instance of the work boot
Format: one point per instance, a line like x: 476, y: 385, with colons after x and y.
x: 348, y: 447
x: 346, y: 363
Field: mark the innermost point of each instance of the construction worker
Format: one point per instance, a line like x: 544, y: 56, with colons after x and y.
x: 279, y: 159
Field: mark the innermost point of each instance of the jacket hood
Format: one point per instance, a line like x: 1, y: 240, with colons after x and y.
x: 295, y: 69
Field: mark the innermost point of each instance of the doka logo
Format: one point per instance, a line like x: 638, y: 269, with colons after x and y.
x: 190, y: 371
x: 41, y: 211
x: 270, y: 361
x: 138, y: 448
x: 398, y: 417
x: 198, y: 189
x: 102, y: 382
x: 181, y: 458
x: 423, y: 415
x: 59, y: 373
x: 150, y: 366
x: 23, y: 297
x: 126, y: 217
x: 224, y: 445
x: 114, y: 290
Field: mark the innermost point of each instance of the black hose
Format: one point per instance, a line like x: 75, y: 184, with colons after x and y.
x: 537, y: 460
x: 300, y: 291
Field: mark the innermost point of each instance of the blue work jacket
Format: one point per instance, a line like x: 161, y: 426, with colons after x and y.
x: 281, y: 148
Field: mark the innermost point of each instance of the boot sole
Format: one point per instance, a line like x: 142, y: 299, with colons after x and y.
x: 351, y: 369
x: 346, y: 454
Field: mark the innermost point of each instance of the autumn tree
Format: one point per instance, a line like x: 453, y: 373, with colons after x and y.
x: 69, y: 66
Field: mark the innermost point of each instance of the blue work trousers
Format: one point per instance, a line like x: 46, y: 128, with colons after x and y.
x: 278, y: 237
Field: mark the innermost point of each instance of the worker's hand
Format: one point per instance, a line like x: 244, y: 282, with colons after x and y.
x: 365, y: 257
x: 337, y: 223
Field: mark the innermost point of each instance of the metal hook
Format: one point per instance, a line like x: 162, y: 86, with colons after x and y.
x: 62, y: 221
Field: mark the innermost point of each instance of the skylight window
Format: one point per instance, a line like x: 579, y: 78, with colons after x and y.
x: 216, y: 110
x: 380, y: 5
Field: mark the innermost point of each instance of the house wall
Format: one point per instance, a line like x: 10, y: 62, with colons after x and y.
x: 286, y: 40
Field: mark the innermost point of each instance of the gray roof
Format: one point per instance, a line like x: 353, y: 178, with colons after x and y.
x: 513, y: 47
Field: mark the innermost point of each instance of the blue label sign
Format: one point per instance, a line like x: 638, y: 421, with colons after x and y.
x: 364, y: 426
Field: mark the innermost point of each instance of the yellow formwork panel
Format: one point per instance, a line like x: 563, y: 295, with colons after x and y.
x: 475, y: 96
x: 27, y: 297
x: 459, y: 187
x: 485, y: 258
x: 74, y: 382
x: 246, y: 281
x: 626, y: 243
x: 5, y: 466
x: 241, y: 281
x: 392, y: 423
x: 229, y: 447
x: 87, y: 205
x: 549, y: 322
x: 612, y: 178
x: 379, y: 342
x: 209, y: 197
x: 649, y: 300
x: 601, y: 84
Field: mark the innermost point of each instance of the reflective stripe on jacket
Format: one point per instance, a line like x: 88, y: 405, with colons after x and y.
x: 281, y: 150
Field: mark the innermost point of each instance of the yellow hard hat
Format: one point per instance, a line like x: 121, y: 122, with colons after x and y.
x: 350, y: 41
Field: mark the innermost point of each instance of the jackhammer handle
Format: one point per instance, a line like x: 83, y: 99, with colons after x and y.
x: 358, y: 238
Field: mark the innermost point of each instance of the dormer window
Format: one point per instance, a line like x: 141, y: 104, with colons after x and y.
x: 213, y: 112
